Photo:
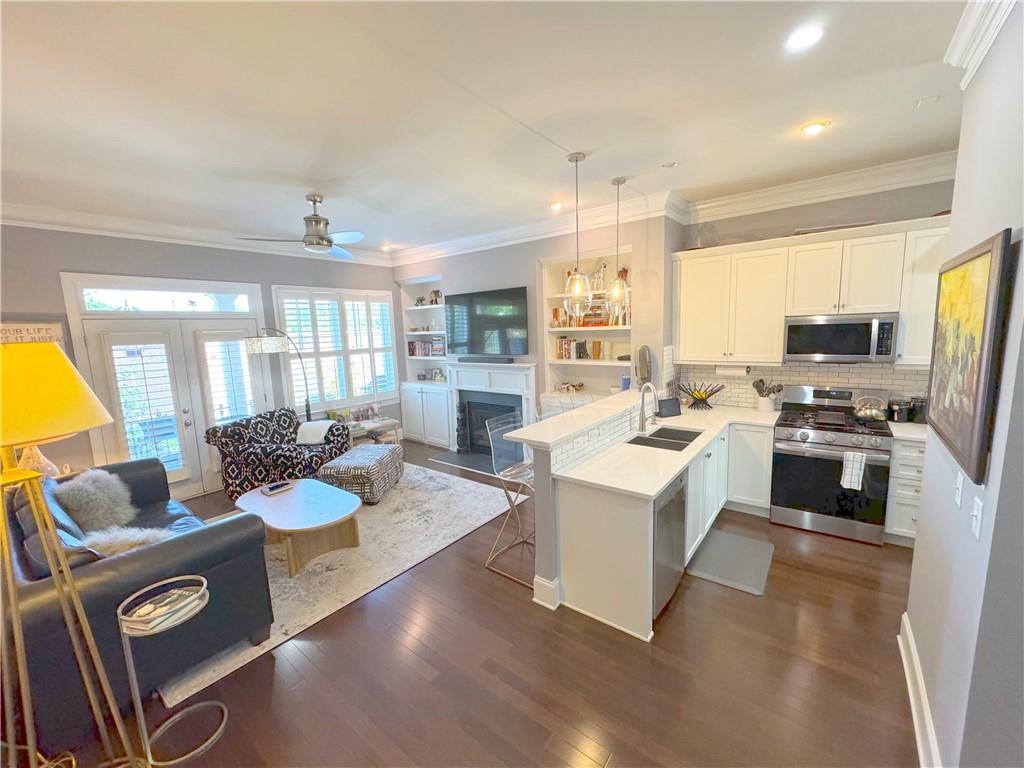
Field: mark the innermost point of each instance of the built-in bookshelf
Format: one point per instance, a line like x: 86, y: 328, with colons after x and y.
x: 423, y: 328
x: 587, y: 351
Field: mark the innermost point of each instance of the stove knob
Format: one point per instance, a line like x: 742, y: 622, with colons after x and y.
x: 829, y: 437
x: 857, y: 439
x: 805, y: 436
x: 876, y: 442
x: 787, y: 433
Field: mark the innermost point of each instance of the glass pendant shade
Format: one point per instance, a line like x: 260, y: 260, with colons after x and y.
x: 577, y: 294
x: 616, y: 297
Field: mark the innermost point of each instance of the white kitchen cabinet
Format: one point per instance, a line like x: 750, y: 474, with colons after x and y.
x: 425, y: 413
x: 926, y: 250
x: 704, y: 295
x: 757, y: 312
x: 814, y: 273
x: 694, y: 507
x: 709, y: 509
x: 750, y: 464
x: 722, y: 491
x: 872, y: 274
x: 904, y: 501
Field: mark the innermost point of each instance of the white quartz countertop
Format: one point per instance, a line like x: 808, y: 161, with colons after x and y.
x: 636, y: 470
x: 902, y: 430
x: 565, y: 426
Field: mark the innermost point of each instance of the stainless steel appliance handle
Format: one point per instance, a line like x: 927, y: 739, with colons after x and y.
x: 878, y: 459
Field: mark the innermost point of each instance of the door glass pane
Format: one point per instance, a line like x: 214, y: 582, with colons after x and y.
x: 380, y: 320
x: 328, y: 326
x: 228, y: 383
x: 333, y: 378
x: 362, y: 374
x: 358, y: 325
x: 298, y: 322
x: 384, y: 368
x: 142, y: 376
x: 299, y: 384
x: 121, y: 300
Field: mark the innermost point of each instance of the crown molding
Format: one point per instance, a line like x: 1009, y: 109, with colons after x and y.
x: 977, y: 29
x: 41, y: 217
x: 631, y: 209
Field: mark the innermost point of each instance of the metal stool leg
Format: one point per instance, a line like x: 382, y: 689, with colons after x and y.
x: 519, y: 539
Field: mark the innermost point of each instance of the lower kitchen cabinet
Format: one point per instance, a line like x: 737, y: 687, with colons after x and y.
x: 904, y: 501
x: 425, y: 413
x: 706, y: 490
x: 750, y: 464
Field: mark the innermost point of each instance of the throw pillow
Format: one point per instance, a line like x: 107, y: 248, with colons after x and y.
x: 96, y: 499
x: 119, y: 539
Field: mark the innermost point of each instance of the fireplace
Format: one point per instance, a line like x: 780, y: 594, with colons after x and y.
x: 475, y: 409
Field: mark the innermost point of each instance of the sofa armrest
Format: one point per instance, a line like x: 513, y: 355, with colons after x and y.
x: 145, y: 478
x: 338, y: 437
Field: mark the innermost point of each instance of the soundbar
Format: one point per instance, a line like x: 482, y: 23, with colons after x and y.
x: 489, y: 359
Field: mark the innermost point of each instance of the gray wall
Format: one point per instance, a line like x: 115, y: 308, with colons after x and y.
x: 32, y: 260
x: 965, y: 595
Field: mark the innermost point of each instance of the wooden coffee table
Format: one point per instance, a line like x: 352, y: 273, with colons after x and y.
x: 310, y: 519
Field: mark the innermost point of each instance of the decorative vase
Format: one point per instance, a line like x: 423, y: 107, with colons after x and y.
x: 765, y: 404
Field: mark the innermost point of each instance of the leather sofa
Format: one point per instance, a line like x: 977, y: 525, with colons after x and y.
x: 229, y: 553
x: 261, y: 449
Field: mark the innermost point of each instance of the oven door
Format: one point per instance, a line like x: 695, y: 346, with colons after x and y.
x: 806, y: 492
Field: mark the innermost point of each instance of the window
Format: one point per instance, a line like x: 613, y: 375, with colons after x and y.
x: 130, y: 300
x: 347, y: 343
x: 229, y: 380
x: 145, y: 391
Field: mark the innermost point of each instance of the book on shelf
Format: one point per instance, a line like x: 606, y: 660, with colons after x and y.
x: 432, y: 347
x: 567, y: 348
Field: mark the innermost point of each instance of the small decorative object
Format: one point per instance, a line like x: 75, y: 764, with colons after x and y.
x: 626, y: 382
x: 331, y: 415
x: 701, y: 394
x: 32, y: 458
x: 970, y: 332
x: 556, y: 317
x: 596, y: 352
x: 436, y: 296
x: 566, y: 387
x: 421, y: 301
x: 766, y: 394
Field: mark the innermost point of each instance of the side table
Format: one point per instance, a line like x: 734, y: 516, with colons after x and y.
x: 144, y: 614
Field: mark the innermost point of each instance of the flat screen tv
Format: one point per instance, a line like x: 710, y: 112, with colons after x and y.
x: 487, y: 322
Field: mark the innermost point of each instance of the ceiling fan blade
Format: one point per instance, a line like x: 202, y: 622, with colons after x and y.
x: 270, y: 239
x: 346, y: 238
x: 340, y: 253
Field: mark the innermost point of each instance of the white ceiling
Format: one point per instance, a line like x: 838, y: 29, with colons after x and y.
x: 425, y: 122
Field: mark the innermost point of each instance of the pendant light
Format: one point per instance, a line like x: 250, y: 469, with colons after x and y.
x: 616, y: 295
x: 578, y: 296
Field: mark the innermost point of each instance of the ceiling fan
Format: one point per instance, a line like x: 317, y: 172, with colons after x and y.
x: 317, y: 238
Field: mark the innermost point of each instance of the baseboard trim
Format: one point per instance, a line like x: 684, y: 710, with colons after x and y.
x: 612, y: 624
x: 747, y: 509
x: 924, y: 728
x: 547, y: 593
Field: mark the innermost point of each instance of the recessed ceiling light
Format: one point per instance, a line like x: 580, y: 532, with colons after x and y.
x: 387, y: 247
x: 803, y: 38
x: 556, y: 206
x: 670, y: 164
x: 813, y: 129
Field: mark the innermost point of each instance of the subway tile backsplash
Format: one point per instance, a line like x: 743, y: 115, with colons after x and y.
x: 896, y: 380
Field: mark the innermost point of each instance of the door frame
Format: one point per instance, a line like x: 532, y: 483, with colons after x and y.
x: 73, y: 283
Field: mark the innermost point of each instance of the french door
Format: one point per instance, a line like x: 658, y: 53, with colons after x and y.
x: 166, y: 381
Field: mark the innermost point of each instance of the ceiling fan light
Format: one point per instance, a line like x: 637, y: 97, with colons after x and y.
x: 318, y: 245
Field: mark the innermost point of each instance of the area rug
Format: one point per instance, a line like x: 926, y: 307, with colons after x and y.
x: 733, y: 561
x: 423, y: 514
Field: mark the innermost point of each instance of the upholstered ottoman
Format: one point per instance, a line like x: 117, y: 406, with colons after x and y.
x: 368, y: 470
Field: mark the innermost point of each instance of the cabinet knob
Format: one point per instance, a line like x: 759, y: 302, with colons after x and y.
x: 835, y: 306
x: 842, y: 306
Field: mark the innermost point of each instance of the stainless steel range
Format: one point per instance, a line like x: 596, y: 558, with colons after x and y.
x: 815, y: 430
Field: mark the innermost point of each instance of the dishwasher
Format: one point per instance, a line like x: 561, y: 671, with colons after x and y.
x: 669, y: 541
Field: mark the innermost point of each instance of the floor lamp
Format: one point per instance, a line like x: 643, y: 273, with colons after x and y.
x: 275, y: 345
x: 45, y: 399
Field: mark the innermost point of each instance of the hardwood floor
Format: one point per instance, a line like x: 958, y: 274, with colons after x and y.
x: 451, y: 665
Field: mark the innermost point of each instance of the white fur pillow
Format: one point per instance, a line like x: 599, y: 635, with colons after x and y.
x: 96, y: 499
x: 118, y: 539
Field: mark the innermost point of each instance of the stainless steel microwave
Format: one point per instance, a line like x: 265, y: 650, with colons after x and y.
x: 841, y: 338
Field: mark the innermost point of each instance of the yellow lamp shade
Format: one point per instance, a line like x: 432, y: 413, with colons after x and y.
x: 44, y: 398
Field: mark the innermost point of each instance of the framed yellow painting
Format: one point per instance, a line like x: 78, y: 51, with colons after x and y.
x: 967, y: 348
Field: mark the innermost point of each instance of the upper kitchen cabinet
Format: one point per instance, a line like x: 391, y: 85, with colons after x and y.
x: 926, y: 250
x: 815, y: 270
x: 703, y: 317
x: 872, y: 274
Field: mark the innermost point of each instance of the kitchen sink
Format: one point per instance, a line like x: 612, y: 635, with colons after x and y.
x: 655, y: 442
x: 682, y: 435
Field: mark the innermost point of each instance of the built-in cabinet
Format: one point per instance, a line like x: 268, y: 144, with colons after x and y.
x: 750, y: 465
x: 732, y: 301
x: 425, y: 414
x: 904, y: 501
x: 706, y: 490
x: 732, y: 307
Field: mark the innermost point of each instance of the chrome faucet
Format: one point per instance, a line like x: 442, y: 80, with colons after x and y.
x: 643, y: 402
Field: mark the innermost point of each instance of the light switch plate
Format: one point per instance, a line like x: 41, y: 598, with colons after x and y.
x: 958, y: 490
x: 976, y: 518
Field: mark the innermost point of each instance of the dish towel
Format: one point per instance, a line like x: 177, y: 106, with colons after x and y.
x: 314, y: 432
x: 853, y: 470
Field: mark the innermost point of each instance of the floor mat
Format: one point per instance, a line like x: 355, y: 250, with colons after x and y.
x: 733, y: 561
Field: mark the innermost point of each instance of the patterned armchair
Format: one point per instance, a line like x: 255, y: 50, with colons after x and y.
x: 262, y: 449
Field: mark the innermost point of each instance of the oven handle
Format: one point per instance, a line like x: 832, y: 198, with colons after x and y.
x: 875, y: 459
